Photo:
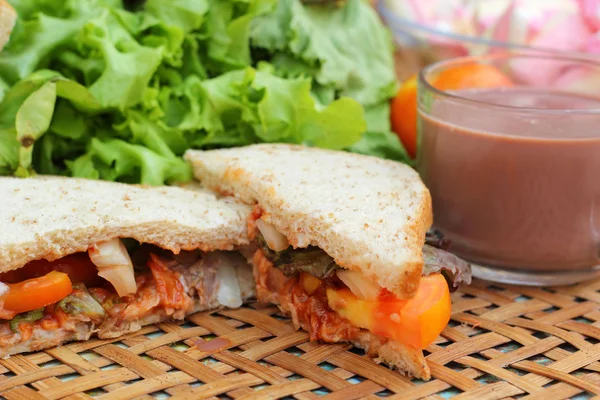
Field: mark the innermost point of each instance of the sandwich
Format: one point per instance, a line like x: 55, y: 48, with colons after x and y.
x: 8, y: 17
x: 340, y: 246
x: 81, y: 257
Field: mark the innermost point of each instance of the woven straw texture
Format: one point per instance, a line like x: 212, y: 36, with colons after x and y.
x: 502, y: 342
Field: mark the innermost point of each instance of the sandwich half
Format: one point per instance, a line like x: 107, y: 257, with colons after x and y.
x: 81, y: 257
x: 340, y: 246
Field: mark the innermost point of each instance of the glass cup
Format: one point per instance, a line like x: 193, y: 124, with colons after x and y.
x: 509, y: 146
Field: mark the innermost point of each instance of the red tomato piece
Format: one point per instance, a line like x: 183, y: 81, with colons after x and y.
x: 37, y: 292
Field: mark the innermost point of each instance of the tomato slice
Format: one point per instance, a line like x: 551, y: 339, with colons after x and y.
x: 472, y: 76
x: 78, y: 266
x: 416, y: 322
x: 403, y: 115
x: 37, y: 292
x: 423, y: 317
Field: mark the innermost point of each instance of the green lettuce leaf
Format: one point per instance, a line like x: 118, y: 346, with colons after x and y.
x: 32, y: 121
x: 379, y: 140
x: 118, y: 160
x: 283, y: 110
x: 9, y: 151
x: 43, y: 26
x: 345, y: 47
x: 4, y: 87
x: 228, y: 27
x: 383, y: 144
x: 119, y: 90
x: 246, y: 106
x: 346, y: 51
x: 185, y: 14
x: 127, y: 74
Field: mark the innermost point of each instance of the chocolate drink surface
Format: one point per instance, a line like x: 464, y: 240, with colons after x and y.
x: 515, y: 182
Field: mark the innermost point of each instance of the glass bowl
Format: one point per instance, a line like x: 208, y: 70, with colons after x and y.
x: 435, y: 30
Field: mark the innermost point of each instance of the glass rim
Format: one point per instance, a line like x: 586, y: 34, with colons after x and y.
x: 423, y: 82
x: 398, y: 22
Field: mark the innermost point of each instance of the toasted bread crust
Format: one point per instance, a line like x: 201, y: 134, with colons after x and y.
x: 369, y: 214
x: 51, y: 217
x: 406, y: 359
x: 8, y: 17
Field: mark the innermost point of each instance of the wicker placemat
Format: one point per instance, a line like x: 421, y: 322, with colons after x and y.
x: 502, y: 342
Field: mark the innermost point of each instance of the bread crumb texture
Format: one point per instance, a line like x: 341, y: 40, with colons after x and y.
x: 369, y: 214
x: 51, y: 217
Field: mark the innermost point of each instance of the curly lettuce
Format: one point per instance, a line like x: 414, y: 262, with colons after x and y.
x: 118, y: 90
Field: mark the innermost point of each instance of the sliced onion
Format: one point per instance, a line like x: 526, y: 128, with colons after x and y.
x: 362, y: 287
x: 114, y: 265
x: 275, y: 240
x: 228, y: 292
x: 3, y: 289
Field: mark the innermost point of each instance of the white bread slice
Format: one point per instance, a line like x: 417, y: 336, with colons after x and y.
x: 8, y: 17
x: 369, y: 214
x: 51, y: 217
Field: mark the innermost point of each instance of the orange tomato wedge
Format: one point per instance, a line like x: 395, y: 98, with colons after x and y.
x: 403, y: 115
x: 37, y: 292
x: 471, y: 76
x: 78, y: 266
x: 426, y: 315
x: 416, y: 322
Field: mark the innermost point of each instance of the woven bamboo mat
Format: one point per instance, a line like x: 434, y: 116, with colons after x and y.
x: 502, y: 342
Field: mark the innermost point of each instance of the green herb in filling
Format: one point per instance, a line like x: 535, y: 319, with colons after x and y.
x: 311, y: 260
x: 30, y: 316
